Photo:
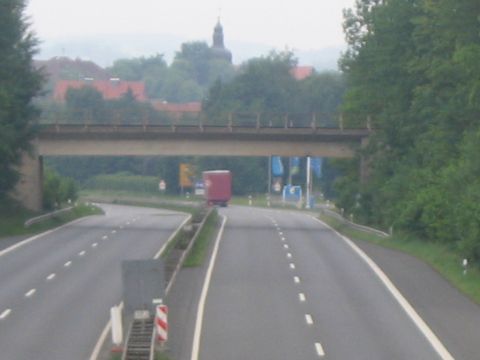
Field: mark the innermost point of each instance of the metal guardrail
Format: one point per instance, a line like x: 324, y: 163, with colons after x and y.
x: 44, y: 217
x: 339, y: 217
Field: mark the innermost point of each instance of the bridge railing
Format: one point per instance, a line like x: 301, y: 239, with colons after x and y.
x: 188, y: 119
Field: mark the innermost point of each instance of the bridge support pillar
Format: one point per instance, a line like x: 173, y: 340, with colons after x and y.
x: 29, y: 189
x: 364, y: 163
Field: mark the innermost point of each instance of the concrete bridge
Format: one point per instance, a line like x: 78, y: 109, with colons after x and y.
x: 174, y: 140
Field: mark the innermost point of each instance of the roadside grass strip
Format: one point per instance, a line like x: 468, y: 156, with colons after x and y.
x: 200, y: 247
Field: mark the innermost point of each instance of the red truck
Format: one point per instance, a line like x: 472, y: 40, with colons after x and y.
x: 218, y: 187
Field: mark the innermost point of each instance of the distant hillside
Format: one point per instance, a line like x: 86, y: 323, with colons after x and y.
x: 105, y: 49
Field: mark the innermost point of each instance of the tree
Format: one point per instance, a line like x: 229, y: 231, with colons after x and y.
x: 85, y: 104
x: 19, y: 84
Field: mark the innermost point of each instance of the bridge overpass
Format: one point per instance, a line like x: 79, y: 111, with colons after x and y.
x: 175, y: 140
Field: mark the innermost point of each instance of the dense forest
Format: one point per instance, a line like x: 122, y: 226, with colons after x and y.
x: 414, y: 66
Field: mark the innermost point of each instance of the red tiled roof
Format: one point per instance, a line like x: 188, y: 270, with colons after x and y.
x: 110, y: 89
x: 177, y: 108
x: 301, y: 72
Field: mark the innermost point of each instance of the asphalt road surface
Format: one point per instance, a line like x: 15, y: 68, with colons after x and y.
x: 285, y: 287
x: 56, y: 292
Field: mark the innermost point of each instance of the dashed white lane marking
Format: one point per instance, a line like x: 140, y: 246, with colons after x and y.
x: 81, y: 253
x: 67, y: 264
x: 114, y: 231
x: 105, y: 237
x: 319, y: 348
x: 292, y: 266
x: 283, y: 239
x: 30, y: 292
x: 128, y: 222
x: 4, y: 314
x: 285, y: 246
x: 94, y: 245
x: 280, y: 233
x: 51, y: 276
x: 308, y: 319
x: 296, y: 279
x: 121, y: 227
x: 302, y: 297
x: 289, y: 255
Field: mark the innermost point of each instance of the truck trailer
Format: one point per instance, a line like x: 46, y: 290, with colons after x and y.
x: 218, y: 187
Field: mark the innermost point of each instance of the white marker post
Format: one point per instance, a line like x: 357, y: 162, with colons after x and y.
x: 309, y: 179
x: 117, y: 329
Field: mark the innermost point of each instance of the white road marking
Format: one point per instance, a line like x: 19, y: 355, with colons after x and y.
x: 121, y: 227
x: 4, y: 314
x: 128, y: 222
x: 289, y: 255
x: 302, y: 297
x: 280, y: 233
x: 283, y: 238
x: 94, y: 245
x: 51, y: 276
x: 105, y: 237
x: 81, y: 253
x: 285, y: 246
x: 292, y: 266
x: 308, y: 319
x: 114, y: 231
x: 30, y: 292
x: 203, y: 296
x: 417, y: 320
x: 296, y: 279
x: 67, y: 264
x: 319, y: 348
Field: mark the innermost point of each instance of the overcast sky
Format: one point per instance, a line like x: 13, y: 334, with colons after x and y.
x: 298, y: 25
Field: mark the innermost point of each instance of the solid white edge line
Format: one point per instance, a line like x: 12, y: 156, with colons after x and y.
x: 203, y: 296
x: 308, y: 319
x: 164, y: 246
x: 38, y: 236
x: 319, y: 348
x: 402, y: 301
x: 4, y: 314
x: 106, y: 329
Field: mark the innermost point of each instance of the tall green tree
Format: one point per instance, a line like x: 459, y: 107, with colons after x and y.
x: 19, y: 84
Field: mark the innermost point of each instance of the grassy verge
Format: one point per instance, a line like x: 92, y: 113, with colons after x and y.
x: 200, y: 247
x: 11, y: 224
x: 444, y: 259
x: 138, y: 199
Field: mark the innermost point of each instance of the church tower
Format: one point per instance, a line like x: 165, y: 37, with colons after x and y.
x: 218, y: 47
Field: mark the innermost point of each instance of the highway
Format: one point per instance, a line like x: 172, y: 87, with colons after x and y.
x: 56, y: 291
x: 285, y: 287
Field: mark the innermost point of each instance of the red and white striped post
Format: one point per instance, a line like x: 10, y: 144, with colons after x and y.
x: 161, y: 323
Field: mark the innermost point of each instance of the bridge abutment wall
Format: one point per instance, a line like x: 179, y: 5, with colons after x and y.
x: 29, y: 189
